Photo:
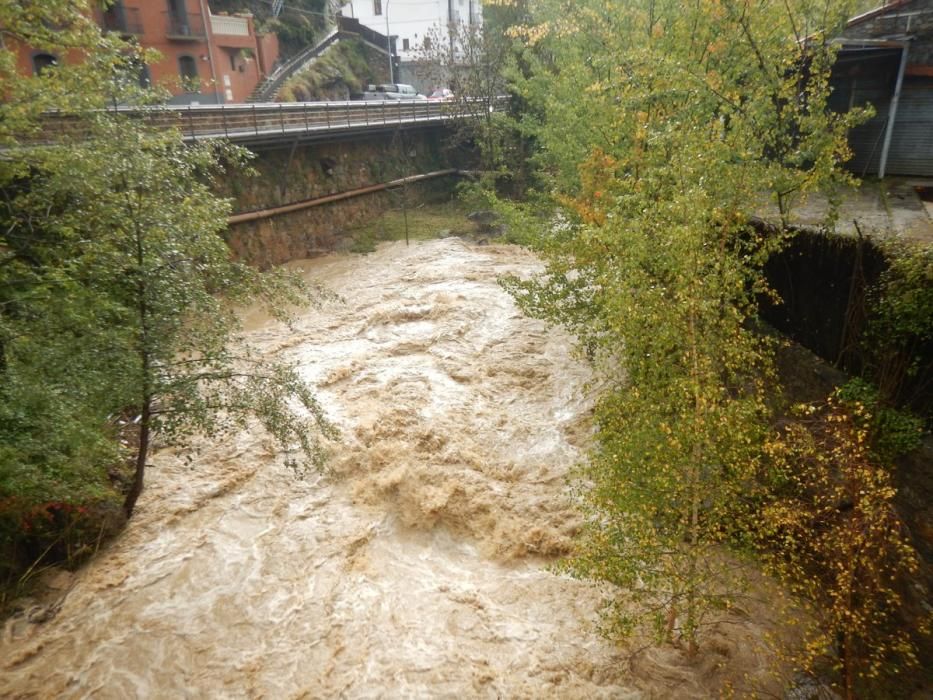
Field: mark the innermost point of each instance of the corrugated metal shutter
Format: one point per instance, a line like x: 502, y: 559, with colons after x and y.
x: 865, y: 80
x: 866, y: 140
x: 912, y: 142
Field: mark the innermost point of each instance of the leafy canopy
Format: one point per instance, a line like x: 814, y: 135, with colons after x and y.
x: 660, y: 128
x: 117, y: 291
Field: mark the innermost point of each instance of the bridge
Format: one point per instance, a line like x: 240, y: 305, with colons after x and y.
x: 323, y: 167
x: 271, y: 123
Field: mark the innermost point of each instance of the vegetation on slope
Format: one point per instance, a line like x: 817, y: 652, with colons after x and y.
x: 344, y: 69
x: 299, y: 25
x: 404, y: 222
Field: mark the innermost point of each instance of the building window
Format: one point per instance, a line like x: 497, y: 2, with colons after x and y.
x: 41, y: 61
x: 139, y: 71
x: 188, y: 70
x: 115, y: 16
x: 377, y: 7
x: 405, y: 45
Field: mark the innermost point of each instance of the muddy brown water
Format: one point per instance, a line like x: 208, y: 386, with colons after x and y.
x: 415, y: 567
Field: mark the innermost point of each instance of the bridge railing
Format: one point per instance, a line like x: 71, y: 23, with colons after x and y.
x: 248, y: 122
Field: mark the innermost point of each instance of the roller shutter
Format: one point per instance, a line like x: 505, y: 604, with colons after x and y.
x: 912, y: 142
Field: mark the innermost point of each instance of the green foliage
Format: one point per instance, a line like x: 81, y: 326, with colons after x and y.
x: 900, y: 331
x: 62, y: 28
x: 141, y: 223
x: 55, y: 439
x: 341, y: 70
x: 117, y: 292
x: 299, y: 25
x: 891, y: 432
x: 907, y: 289
x: 658, y: 127
x: 470, y: 60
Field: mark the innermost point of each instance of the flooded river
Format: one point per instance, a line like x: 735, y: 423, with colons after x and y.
x: 414, y: 567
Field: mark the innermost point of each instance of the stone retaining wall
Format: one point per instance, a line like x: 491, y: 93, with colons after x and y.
x: 322, y: 229
x: 309, y: 171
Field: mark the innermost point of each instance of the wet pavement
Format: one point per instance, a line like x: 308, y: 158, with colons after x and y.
x: 895, y: 208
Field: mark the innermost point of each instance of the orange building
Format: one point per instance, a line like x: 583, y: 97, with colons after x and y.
x: 206, y: 58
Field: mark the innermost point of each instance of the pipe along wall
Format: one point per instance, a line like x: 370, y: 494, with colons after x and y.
x: 302, y: 199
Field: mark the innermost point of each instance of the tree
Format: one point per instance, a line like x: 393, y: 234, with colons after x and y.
x: 142, y: 224
x: 117, y: 290
x: 831, y: 532
x: 469, y: 59
x: 54, y: 444
x: 661, y: 127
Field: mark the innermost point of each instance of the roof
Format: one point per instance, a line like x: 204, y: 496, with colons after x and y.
x: 865, y: 44
x: 878, y: 11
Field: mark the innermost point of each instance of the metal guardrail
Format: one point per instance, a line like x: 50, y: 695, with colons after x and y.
x: 259, y: 123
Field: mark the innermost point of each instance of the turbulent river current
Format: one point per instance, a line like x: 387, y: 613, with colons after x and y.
x: 414, y: 566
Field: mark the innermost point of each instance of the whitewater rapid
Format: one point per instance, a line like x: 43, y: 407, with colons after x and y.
x: 414, y: 566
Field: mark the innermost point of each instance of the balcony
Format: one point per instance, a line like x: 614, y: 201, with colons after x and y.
x: 123, y: 20
x: 184, y: 27
x: 232, y: 32
x: 229, y: 26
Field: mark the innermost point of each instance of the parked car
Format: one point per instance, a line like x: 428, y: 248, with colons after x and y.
x: 392, y: 91
x: 441, y: 95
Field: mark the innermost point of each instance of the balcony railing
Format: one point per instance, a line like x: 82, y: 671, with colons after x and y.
x: 123, y: 20
x: 229, y: 26
x: 184, y: 27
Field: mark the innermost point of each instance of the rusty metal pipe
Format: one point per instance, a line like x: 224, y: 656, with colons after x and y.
x: 308, y: 203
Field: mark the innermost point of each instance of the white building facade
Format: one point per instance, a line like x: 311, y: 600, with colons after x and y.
x: 414, y: 22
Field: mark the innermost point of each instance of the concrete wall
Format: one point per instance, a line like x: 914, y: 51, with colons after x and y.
x: 310, y: 171
x: 414, y: 20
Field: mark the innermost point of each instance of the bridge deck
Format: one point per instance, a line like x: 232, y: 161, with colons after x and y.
x: 268, y: 123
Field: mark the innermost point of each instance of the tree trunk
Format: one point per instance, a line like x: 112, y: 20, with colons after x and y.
x: 671, y: 622
x: 144, y: 349
x: 848, y: 664
x: 142, y: 451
